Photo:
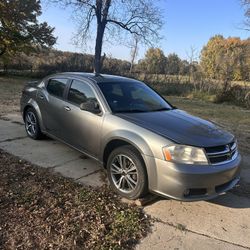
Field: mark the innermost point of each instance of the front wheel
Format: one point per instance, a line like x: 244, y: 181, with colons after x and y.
x: 32, y: 125
x: 127, y: 173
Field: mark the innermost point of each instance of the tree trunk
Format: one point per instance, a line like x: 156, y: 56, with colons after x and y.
x: 134, y: 53
x: 98, y: 48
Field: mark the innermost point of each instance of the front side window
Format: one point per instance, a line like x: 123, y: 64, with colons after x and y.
x: 56, y: 87
x: 132, y: 97
x: 80, y: 92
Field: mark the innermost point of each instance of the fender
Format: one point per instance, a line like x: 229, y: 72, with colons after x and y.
x: 130, y: 137
x: 32, y: 103
x: 141, y: 145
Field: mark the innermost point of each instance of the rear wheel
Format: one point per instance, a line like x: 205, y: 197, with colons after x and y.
x: 32, y: 125
x: 127, y: 172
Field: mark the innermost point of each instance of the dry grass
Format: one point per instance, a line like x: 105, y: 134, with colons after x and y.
x: 232, y: 118
x: 10, y: 93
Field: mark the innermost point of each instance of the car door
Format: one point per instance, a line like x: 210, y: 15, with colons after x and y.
x: 82, y: 129
x: 52, y: 106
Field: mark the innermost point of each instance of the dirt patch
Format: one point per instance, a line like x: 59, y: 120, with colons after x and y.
x: 40, y: 210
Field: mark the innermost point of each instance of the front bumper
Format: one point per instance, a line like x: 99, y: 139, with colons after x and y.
x: 192, y: 182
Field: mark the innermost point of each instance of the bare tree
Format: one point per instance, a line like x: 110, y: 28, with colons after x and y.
x: 134, y: 51
x: 138, y: 17
x: 246, y: 4
x: 193, y: 56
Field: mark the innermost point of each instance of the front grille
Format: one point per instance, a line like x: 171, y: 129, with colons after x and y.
x: 222, y: 154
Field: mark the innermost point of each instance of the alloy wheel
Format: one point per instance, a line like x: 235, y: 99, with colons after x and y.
x: 124, y: 173
x: 31, y: 123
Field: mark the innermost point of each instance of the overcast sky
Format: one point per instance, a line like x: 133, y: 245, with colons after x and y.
x: 187, y: 23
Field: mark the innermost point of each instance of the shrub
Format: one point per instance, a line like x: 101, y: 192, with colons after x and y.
x: 235, y: 94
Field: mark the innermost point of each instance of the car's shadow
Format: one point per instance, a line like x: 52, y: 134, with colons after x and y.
x: 233, y: 200
x: 237, y: 198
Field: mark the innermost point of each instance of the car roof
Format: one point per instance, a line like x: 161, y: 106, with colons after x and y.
x: 98, y: 78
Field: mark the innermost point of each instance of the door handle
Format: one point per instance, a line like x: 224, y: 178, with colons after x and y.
x: 67, y: 108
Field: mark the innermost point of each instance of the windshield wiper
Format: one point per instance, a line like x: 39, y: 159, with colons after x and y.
x: 161, y: 109
x: 131, y: 111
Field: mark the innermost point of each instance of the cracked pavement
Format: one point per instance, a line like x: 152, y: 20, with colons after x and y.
x: 223, y: 223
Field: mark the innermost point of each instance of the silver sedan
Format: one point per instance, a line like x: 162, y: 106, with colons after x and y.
x: 145, y: 143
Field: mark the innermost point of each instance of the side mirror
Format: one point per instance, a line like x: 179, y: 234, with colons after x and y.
x: 91, y: 106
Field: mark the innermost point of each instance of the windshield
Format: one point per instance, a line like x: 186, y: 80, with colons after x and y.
x: 132, y: 97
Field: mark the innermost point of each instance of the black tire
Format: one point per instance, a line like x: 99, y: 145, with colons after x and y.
x: 134, y: 159
x: 35, y: 134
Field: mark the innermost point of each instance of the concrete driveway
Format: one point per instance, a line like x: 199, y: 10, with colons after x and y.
x: 223, y: 223
x: 48, y: 153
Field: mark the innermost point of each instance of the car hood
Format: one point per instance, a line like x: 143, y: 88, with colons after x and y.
x: 180, y: 127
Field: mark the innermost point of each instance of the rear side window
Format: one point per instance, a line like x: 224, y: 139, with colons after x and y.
x: 56, y: 87
x: 80, y: 92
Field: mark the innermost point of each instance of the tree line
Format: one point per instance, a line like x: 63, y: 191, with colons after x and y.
x: 25, y: 43
x: 155, y: 62
x: 47, y: 61
x: 225, y: 59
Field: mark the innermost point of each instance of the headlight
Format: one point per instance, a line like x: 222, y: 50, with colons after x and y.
x: 185, y: 154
